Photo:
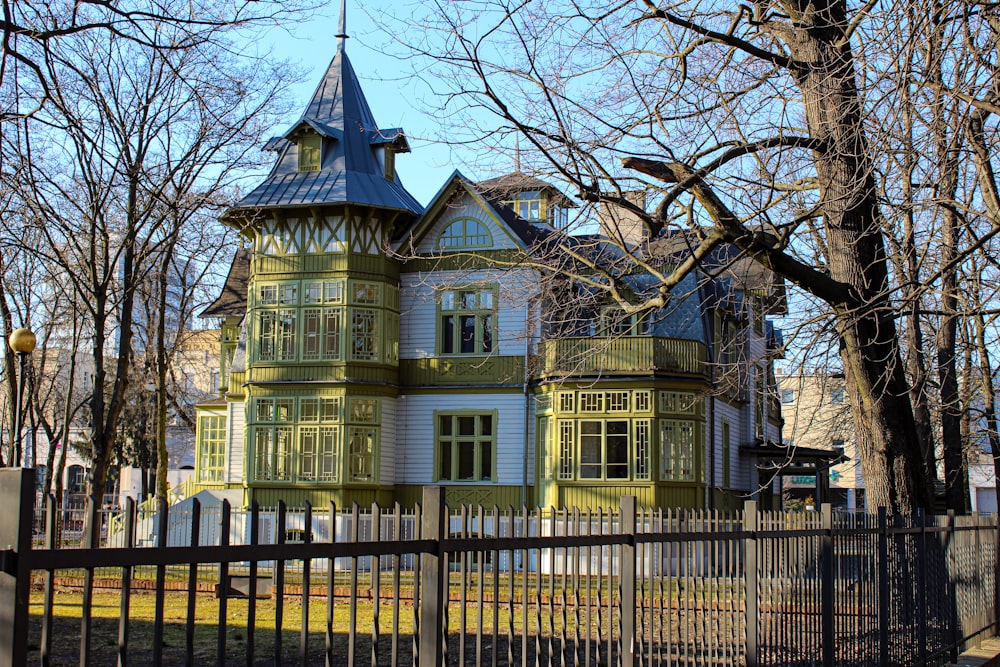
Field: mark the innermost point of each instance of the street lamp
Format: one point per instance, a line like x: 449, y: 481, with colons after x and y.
x: 22, y: 342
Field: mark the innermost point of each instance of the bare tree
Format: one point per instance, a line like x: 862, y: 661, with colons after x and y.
x: 134, y: 143
x: 764, y: 126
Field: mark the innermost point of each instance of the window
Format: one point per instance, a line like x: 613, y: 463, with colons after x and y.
x: 321, y: 334
x: 276, y: 326
x: 273, y: 453
x: 465, y: 233
x: 362, y: 450
x: 310, y: 152
x: 328, y: 291
x: 365, y: 293
x: 759, y: 412
x: 467, y: 321
x: 726, y: 454
x: 528, y: 205
x: 787, y: 396
x: 757, y: 314
x: 364, y: 334
x: 678, y: 402
x: 567, y: 446
x: 545, y: 447
x: 211, y: 448
x: 466, y: 447
x: 318, y: 453
x: 837, y: 396
x: 604, y: 449
x: 616, y: 322
x: 677, y: 443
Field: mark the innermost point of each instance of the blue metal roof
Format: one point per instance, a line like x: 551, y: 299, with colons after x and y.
x: 350, y: 170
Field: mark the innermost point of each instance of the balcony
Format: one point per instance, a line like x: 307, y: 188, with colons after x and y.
x: 624, y: 355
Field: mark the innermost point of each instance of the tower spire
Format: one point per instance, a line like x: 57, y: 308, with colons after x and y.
x: 342, y: 25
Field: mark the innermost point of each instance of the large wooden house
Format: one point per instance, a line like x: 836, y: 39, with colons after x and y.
x: 372, y: 346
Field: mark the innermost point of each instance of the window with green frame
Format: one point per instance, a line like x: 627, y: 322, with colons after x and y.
x: 364, y: 334
x: 466, y: 445
x: 529, y: 205
x: 310, y: 152
x: 321, y: 329
x: 467, y: 322
x: 276, y: 321
x: 726, y: 454
x: 318, y: 453
x: 211, y: 448
x: 603, y: 449
x: 273, y: 453
x: 362, y: 445
x: 465, y: 233
x: 677, y: 450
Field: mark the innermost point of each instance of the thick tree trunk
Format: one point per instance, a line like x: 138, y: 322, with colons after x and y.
x: 892, y: 463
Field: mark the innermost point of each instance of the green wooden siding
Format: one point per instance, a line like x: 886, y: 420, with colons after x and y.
x: 236, y: 381
x: 609, y: 495
x: 622, y: 355
x: 320, y: 497
x: 298, y: 266
x: 330, y: 372
x: 408, y: 495
x: 461, y: 371
x: 463, y: 261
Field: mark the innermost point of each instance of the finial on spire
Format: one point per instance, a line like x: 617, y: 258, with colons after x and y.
x: 342, y: 26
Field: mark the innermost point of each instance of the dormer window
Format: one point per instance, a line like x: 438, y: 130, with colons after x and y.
x: 310, y: 152
x: 390, y: 164
x: 529, y: 205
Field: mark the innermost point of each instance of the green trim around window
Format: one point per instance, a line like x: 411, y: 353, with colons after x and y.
x: 594, y: 448
x: 327, y: 439
x: 211, y: 449
x: 465, y: 446
x: 310, y: 152
x: 726, y: 454
x: 467, y: 320
x: 464, y: 233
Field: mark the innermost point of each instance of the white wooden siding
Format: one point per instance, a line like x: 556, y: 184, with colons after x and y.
x: 236, y: 435
x: 739, y: 467
x: 466, y: 207
x: 387, y: 445
x: 418, y: 308
x: 415, y: 443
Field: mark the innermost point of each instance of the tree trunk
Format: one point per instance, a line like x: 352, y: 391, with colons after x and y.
x: 892, y: 462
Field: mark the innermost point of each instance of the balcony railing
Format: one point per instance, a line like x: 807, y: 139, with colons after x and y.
x: 620, y: 356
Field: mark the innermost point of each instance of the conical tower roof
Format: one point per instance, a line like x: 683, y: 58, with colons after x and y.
x: 351, y: 171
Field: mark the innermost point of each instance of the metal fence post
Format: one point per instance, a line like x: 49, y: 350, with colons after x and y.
x: 626, y: 581
x: 883, y: 587
x: 956, y: 631
x: 750, y: 520
x: 433, y: 570
x: 827, y: 592
x: 17, y: 493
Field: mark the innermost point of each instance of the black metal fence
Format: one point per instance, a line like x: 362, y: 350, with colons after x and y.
x: 489, y: 586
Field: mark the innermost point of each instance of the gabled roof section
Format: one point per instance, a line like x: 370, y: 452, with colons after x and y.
x: 505, y: 187
x: 521, y: 230
x: 232, y: 302
x: 350, y: 170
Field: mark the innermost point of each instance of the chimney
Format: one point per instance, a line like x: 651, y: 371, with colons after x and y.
x: 619, y: 223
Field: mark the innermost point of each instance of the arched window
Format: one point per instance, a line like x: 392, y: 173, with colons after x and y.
x: 465, y: 233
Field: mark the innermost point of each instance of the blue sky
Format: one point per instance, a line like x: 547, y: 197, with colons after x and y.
x: 394, y: 96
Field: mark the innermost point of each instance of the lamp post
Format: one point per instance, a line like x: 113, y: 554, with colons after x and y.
x: 22, y: 342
